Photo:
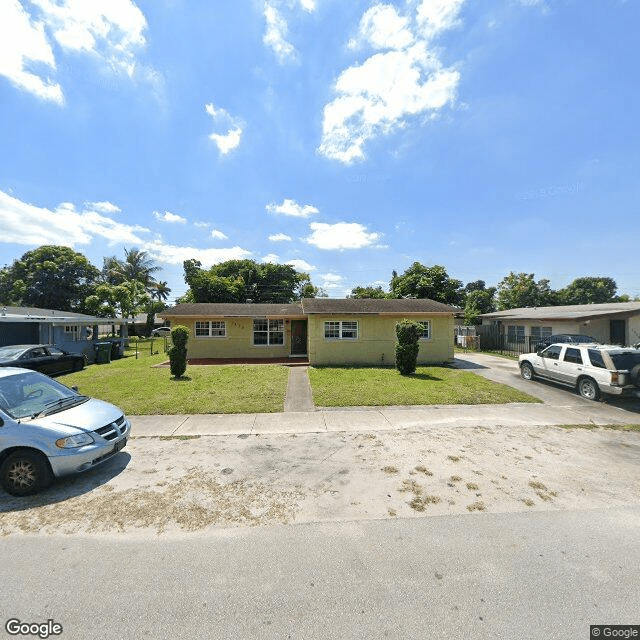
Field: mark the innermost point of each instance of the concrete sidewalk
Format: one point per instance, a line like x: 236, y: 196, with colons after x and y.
x: 381, y: 419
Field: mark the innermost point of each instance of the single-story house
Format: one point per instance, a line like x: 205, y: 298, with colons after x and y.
x: 610, y: 323
x: 72, y: 332
x: 325, y: 331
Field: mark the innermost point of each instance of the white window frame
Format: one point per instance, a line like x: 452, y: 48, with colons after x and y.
x: 341, y: 329
x: 274, y: 326
x: 538, y: 332
x: 75, y: 330
x: 426, y: 329
x: 212, y: 329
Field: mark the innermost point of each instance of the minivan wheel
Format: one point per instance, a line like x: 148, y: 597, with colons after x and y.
x: 24, y: 472
x: 588, y: 388
x: 526, y: 371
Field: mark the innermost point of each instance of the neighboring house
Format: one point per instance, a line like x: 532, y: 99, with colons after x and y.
x: 72, y: 332
x: 324, y: 330
x: 610, y: 323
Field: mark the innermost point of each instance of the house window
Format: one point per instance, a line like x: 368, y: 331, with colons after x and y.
x: 515, y: 333
x: 268, y: 332
x: 211, y: 329
x: 341, y: 330
x: 73, y: 331
x: 541, y: 332
x: 426, y: 329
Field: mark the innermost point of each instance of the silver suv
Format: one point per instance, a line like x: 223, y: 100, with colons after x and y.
x: 592, y: 369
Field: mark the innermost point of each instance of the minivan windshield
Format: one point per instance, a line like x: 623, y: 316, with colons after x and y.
x: 625, y: 360
x: 32, y: 393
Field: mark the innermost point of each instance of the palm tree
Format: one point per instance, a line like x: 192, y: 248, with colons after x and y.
x: 160, y: 291
x: 139, y: 266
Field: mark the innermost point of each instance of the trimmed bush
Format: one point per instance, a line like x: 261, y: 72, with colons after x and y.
x: 178, y: 350
x: 407, y: 346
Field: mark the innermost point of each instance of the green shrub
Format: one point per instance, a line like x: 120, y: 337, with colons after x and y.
x: 407, y: 346
x: 178, y: 350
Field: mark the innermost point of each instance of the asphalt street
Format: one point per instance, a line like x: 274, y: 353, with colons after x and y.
x: 538, y: 576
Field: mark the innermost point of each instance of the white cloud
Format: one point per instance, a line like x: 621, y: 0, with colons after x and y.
x: 301, y: 265
x: 408, y: 79
x: 275, y: 35
x: 280, y: 237
x: 436, y: 16
x: 112, y: 30
x: 292, y: 208
x: 103, y: 207
x: 229, y: 140
x: 167, y: 216
x: 272, y: 258
x: 26, y: 224
x: 331, y: 277
x: 342, y: 235
x: 383, y: 28
x: 218, y: 235
x: 308, y: 5
x: 171, y: 254
x: 201, y: 225
x: 23, y: 42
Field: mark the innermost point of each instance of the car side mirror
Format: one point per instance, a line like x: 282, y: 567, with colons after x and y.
x: 75, y: 388
x: 539, y: 351
x: 1, y: 422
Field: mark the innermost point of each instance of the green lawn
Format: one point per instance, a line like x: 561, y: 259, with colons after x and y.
x: 138, y: 388
x: 378, y: 386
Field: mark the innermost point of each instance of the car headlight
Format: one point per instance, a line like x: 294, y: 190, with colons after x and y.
x: 71, y: 442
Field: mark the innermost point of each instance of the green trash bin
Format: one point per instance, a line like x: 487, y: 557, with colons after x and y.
x: 103, y: 352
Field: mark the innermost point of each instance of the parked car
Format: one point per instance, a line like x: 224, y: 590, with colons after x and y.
x: 41, y: 357
x: 559, y: 338
x: 48, y: 430
x: 161, y: 331
x: 592, y: 369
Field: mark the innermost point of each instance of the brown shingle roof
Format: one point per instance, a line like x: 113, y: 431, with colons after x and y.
x: 231, y: 310
x: 374, y: 306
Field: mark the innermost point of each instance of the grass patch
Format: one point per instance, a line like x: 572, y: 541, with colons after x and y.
x: 472, y: 486
x: 419, y: 503
x: 138, y: 388
x: 384, y: 386
x: 614, y: 427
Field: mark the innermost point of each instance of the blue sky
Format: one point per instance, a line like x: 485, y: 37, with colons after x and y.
x: 346, y: 138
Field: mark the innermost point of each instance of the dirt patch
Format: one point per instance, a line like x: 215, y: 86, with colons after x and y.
x: 188, y: 485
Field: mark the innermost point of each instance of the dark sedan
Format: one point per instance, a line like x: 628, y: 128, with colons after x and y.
x: 41, y: 357
x: 562, y: 338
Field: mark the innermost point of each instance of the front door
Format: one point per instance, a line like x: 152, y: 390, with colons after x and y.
x: 298, y: 337
x: 617, y: 332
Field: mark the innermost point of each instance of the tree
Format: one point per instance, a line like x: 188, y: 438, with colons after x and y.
x: 407, y: 346
x: 178, y: 350
x: 433, y: 282
x: 51, y: 277
x: 125, y: 300
x: 137, y: 265
x: 160, y: 291
x: 368, y: 292
x: 588, y: 290
x: 477, y: 302
x: 521, y: 290
x: 242, y: 280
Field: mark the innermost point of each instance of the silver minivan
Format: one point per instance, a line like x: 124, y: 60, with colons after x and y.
x: 48, y: 430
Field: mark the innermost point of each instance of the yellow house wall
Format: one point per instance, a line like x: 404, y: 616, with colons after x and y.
x: 633, y: 330
x: 376, y: 341
x: 236, y: 344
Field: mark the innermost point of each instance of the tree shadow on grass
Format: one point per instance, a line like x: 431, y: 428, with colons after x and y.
x: 181, y: 379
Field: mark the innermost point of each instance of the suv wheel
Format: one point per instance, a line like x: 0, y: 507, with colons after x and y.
x: 526, y: 371
x: 24, y: 472
x: 588, y: 388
